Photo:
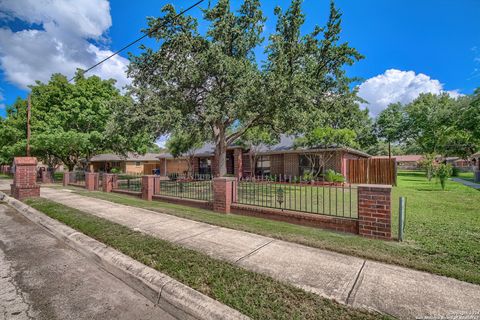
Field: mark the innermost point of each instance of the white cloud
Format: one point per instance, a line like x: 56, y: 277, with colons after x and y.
x: 63, y: 44
x: 398, y: 86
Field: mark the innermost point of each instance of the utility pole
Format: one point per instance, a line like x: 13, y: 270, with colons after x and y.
x: 29, y: 105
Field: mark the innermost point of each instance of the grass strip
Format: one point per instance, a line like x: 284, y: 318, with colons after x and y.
x: 442, y: 234
x: 255, y: 295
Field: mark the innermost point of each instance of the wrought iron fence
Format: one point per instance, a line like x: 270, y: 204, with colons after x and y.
x: 198, y: 187
x: 77, y: 177
x: 292, y: 193
x: 130, y: 181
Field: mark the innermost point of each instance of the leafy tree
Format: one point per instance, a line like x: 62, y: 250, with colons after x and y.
x: 185, y: 144
x: 323, y: 138
x: 389, y: 124
x: 429, y: 120
x: 211, y: 81
x: 428, y: 163
x: 443, y: 172
x: 68, y: 120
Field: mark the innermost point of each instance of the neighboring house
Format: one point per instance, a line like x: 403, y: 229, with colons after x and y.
x: 475, y: 160
x: 280, y: 159
x: 405, y: 162
x: 134, y: 163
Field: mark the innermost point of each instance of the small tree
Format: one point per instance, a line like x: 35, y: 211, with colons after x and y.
x: 389, y: 124
x: 185, y: 144
x: 443, y: 172
x: 323, y: 138
x: 428, y: 164
x: 254, y: 139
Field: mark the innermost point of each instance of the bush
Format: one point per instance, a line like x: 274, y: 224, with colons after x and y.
x: 332, y: 176
x: 455, y: 171
x: 443, y: 172
x: 115, y: 170
x: 307, y: 176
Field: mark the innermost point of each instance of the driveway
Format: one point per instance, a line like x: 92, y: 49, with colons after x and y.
x: 42, y: 278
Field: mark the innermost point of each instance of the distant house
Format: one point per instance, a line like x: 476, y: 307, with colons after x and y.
x: 279, y: 159
x: 406, y: 162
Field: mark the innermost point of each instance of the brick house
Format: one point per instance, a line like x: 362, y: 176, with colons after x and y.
x: 279, y: 159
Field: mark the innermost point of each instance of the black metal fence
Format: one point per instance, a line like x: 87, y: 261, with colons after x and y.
x: 297, y: 195
x: 198, y: 187
x: 77, y: 177
x: 130, y: 181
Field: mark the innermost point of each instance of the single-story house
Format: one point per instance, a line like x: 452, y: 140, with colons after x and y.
x: 148, y: 163
x: 279, y: 159
x: 405, y: 162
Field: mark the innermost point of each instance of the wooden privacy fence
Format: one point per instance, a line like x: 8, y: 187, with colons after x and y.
x: 372, y: 171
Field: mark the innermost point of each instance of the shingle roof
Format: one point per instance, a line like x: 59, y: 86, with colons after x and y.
x: 130, y: 157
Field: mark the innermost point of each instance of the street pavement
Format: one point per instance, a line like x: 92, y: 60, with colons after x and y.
x: 394, y: 290
x: 42, y: 278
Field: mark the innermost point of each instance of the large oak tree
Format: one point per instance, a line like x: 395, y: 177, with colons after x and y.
x: 211, y: 81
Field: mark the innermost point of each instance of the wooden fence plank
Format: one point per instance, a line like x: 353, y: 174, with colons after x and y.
x: 372, y: 171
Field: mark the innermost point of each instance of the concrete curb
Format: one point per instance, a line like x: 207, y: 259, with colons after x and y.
x: 179, y: 300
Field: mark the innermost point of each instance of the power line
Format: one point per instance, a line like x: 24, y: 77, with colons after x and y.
x: 139, y: 39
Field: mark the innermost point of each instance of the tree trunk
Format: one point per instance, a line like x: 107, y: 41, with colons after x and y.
x: 220, y: 151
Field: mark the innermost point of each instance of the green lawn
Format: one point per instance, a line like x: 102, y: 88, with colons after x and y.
x: 466, y: 175
x: 442, y: 232
x: 253, y: 294
x: 4, y: 176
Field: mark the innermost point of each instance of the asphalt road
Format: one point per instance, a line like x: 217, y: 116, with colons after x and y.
x: 42, y: 278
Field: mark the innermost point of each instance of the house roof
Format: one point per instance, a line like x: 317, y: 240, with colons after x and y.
x: 476, y: 155
x: 403, y: 158
x: 129, y: 157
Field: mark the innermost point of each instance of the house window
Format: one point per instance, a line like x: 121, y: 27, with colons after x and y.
x: 137, y: 164
x: 262, y: 167
x: 204, y: 166
x: 306, y: 165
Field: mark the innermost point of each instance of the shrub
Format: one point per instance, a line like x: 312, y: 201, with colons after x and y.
x: 443, y: 172
x: 428, y: 164
x: 307, y: 176
x: 455, y: 171
x: 332, y: 176
x: 115, y: 170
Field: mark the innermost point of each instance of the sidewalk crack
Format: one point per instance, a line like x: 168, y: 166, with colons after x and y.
x: 347, y: 301
x: 254, y: 251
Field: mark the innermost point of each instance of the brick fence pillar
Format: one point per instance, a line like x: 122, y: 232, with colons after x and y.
x: 25, y: 178
x: 47, y: 176
x: 238, y: 162
x: 375, y: 211
x: 110, y: 182
x: 223, y: 188
x: 156, y: 184
x: 66, y: 178
x: 147, y: 187
x: 91, y: 181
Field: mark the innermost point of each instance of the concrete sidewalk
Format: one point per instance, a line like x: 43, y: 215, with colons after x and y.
x: 394, y: 290
x: 467, y: 183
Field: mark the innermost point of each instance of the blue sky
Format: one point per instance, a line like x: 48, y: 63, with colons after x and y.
x: 409, y: 46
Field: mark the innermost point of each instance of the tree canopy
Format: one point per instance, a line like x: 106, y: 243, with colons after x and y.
x: 212, y: 80
x: 68, y: 120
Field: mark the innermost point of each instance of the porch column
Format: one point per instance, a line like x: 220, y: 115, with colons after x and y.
x: 238, y: 163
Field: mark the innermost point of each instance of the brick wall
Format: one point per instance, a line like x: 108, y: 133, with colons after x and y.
x: 375, y: 211
x: 276, y: 164
x: 291, y: 164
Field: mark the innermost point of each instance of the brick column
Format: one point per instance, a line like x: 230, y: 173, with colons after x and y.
x: 238, y: 162
x: 110, y: 182
x: 222, y: 193
x: 147, y: 187
x: 91, y: 181
x: 66, y: 178
x: 47, y: 177
x: 25, y: 178
x: 156, y: 184
x: 375, y: 211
